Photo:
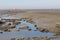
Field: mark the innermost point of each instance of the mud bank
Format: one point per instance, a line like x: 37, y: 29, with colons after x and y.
x: 37, y: 38
x: 30, y: 25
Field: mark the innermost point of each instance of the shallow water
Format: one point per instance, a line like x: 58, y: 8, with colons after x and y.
x: 24, y: 33
x: 56, y: 39
x: 8, y: 16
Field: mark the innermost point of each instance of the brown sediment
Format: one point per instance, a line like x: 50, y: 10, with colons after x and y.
x: 24, y: 28
x: 13, y: 38
x: 16, y: 23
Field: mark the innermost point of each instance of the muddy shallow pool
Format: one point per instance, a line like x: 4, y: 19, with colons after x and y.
x: 33, y: 32
x: 24, y: 33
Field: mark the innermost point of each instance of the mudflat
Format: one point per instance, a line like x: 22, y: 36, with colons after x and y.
x: 44, y: 21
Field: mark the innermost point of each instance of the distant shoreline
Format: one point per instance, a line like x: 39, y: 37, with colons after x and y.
x: 41, y: 11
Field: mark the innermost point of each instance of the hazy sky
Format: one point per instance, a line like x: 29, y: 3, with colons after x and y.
x: 29, y: 4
